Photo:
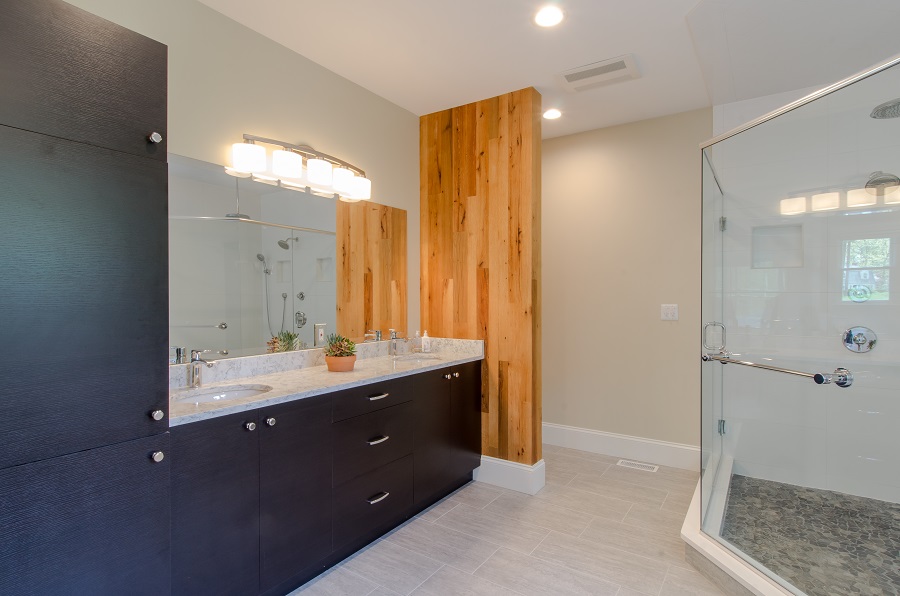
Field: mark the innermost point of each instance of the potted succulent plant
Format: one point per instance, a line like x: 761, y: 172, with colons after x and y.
x: 340, y: 353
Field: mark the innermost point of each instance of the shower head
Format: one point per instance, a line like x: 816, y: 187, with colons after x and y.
x: 889, y: 109
x: 284, y: 243
x: 882, y: 183
x: 262, y: 259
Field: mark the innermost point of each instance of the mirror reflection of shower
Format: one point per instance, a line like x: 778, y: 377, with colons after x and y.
x: 266, y: 273
x: 285, y: 244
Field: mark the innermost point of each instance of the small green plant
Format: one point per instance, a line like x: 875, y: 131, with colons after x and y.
x: 338, y: 345
x: 285, y: 341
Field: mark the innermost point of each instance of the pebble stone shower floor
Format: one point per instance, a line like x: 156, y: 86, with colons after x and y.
x: 823, y: 542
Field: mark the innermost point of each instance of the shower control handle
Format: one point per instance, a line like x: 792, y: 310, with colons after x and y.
x: 841, y: 377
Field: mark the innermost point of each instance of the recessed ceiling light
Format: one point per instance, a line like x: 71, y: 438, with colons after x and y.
x: 552, y: 114
x: 549, y: 16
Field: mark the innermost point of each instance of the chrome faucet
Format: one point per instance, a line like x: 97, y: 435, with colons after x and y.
x: 392, y: 347
x: 197, y: 363
x: 372, y: 335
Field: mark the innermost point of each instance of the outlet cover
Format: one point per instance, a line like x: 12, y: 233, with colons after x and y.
x: 668, y: 312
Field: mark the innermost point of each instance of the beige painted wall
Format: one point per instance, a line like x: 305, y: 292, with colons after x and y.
x: 621, y: 235
x: 226, y: 80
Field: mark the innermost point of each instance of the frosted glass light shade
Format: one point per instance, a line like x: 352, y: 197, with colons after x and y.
x: 793, y: 206
x: 826, y: 201
x: 287, y: 164
x: 860, y: 197
x: 248, y: 158
x: 362, y: 188
x: 344, y: 181
x: 319, y: 171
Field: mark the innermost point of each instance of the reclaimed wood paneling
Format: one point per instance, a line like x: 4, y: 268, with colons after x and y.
x: 371, y: 268
x: 480, y: 194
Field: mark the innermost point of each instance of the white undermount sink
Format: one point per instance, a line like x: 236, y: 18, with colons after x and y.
x: 206, y: 395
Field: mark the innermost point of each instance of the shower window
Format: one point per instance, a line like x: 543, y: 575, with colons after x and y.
x: 866, y: 269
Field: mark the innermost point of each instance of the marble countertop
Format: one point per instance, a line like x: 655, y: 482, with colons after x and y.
x: 307, y: 382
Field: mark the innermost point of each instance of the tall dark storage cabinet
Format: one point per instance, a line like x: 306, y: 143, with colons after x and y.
x: 84, y: 479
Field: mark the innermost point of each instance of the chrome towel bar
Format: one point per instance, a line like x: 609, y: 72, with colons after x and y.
x: 840, y: 377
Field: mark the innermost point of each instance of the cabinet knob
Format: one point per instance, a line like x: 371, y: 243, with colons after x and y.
x: 250, y: 426
x: 157, y: 456
x: 447, y: 376
x: 154, y: 137
x: 270, y: 421
x: 456, y: 375
x: 157, y: 414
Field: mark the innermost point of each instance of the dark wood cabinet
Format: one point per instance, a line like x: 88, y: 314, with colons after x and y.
x: 69, y: 74
x: 93, y: 522
x: 295, y: 460
x: 83, y: 305
x: 84, y: 302
x: 448, y: 430
x: 465, y: 419
x: 251, y: 498
x: 432, y: 441
x: 215, y: 506
x: 263, y: 510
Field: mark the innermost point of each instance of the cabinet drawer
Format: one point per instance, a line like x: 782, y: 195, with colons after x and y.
x: 369, y: 398
x: 366, y: 442
x: 373, y: 501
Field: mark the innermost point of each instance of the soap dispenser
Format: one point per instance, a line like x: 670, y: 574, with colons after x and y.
x: 426, y: 342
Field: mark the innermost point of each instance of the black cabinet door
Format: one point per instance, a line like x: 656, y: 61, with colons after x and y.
x: 295, y: 488
x: 67, y: 73
x: 465, y: 416
x: 431, y: 401
x: 84, y: 297
x: 215, y: 507
x: 94, y: 522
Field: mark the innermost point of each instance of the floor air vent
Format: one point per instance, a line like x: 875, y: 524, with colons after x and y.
x: 627, y: 463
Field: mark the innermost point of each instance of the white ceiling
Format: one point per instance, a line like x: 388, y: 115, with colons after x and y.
x: 430, y: 55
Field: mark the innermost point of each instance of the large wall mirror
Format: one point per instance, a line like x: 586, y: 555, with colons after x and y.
x: 235, y: 283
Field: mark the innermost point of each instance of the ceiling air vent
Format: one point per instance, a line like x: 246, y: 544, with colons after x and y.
x: 593, y: 75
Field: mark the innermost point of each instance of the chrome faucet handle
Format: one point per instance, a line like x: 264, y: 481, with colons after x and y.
x: 179, y: 354
x: 374, y: 333
x: 395, y: 334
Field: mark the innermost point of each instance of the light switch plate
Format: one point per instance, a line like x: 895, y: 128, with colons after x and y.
x: 668, y: 312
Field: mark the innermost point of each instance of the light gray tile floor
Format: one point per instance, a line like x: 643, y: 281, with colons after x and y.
x: 596, y: 529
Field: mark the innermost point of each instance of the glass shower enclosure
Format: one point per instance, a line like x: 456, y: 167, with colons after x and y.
x: 801, y: 340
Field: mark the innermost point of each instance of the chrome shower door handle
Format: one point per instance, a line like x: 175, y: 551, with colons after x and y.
x: 706, y: 345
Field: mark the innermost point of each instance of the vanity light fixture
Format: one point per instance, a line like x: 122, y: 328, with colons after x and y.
x: 552, y: 114
x: 860, y: 197
x: 826, y: 201
x: 793, y: 206
x: 549, y: 16
x: 324, y: 175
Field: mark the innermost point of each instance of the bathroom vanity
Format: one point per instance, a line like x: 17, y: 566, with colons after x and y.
x: 266, y: 497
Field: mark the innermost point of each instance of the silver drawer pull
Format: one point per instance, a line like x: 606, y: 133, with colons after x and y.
x: 380, y: 439
x: 377, y: 397
x: 378, y: 499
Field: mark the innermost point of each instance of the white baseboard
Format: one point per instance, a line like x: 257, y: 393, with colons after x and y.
x: 674, y: 455
x: 507, y: 474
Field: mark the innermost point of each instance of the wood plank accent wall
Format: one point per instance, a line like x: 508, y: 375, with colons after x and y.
x: 480, y: 196
x: 371, y: 268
